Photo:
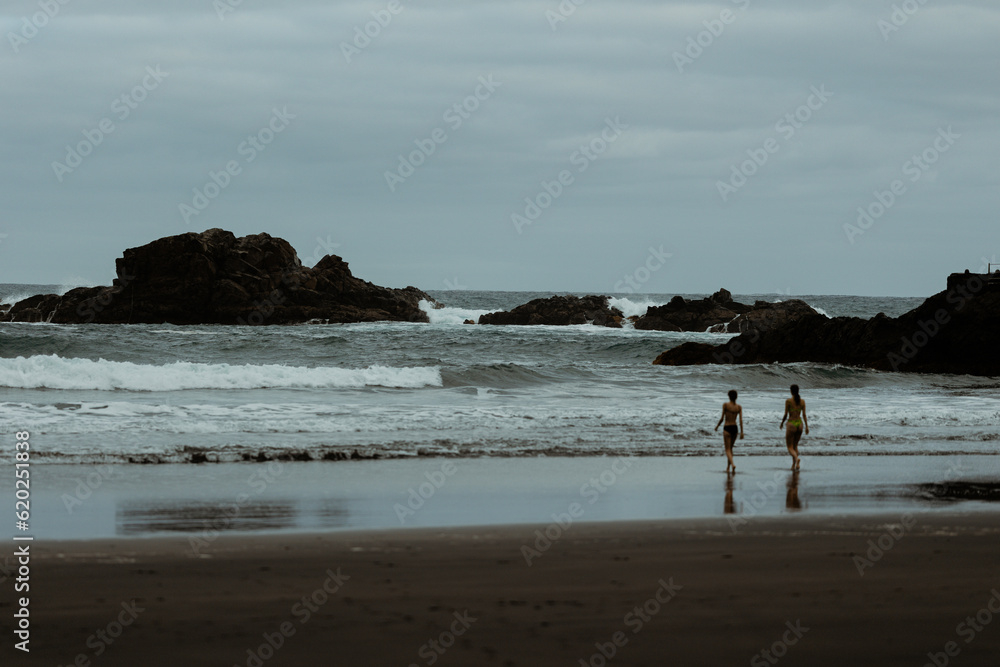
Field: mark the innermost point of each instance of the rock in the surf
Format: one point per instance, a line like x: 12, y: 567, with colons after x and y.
x: 560, y: 311
x: 214, y: 277
x: 695, y: 315
x: 954, y: 331
x: 765, y: 316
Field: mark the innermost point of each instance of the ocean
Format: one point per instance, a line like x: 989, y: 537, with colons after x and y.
x: 168, y: 394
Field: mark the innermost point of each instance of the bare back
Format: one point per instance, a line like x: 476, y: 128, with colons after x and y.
x: 731, y: 411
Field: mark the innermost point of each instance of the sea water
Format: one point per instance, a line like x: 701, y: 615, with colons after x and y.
x: 162, y: 393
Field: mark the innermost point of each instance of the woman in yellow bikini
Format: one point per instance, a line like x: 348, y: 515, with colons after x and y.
x: 795, y: 413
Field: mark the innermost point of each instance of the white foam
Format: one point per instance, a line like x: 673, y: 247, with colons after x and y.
x: 451, y: 315
x: 14, y: 298
x: 631, y: 308
x: 821, y: 311
x: 72, y: 283
x: 182, y: 332
x: 54, y: 372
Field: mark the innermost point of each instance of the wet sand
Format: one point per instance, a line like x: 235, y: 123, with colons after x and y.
x: 683, y: 592
x: 92, y: 502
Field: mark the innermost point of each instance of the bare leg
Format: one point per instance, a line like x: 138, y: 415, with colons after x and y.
x: 727, y: 440
x: 795, y: 444
x: 792, y: 443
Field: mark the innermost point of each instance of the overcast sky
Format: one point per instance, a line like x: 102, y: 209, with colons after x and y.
x: 643, y: 108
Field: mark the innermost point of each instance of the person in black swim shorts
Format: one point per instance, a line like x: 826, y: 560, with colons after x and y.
x: 730, y: 412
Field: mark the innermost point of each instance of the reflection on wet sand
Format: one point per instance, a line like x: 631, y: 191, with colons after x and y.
x: 191, y: 516
x: 792, y: 502
x: 729, y: 507
x: 760, y: 495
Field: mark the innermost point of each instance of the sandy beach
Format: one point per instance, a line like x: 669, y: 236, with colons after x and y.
x: 882, y: 590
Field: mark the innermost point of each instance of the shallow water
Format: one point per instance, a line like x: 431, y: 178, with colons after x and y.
x: 99, y: 501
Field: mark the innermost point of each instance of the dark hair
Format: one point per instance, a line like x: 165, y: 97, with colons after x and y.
x: 732, y: 394
x: 795, y: 394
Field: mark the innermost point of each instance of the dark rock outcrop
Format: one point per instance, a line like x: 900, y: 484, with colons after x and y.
x: 559, y: 310
x: 683, y: 315
x: 955, y: 331
x: 216, y: 278
x: 718, y: 311
x: 765, y: 316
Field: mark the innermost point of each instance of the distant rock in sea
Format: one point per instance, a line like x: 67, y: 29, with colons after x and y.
x: 718, y: 313
x: 954, y: 331
x: 560, y: 311
x: 214, y: 277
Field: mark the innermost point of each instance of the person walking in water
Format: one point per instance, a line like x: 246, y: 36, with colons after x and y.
x: 795, y: 413
x: 730, y: 411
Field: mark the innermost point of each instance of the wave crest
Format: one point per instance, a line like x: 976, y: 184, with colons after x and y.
x: 55, y: 372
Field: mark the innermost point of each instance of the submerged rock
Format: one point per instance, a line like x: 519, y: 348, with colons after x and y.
x: 214, y: 277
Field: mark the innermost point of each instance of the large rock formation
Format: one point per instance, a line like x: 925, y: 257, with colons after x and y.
x: 559, y: 310
x: 215, y: 278
x: 683, y: 315
x: 719, y: 313
x: 765, y: 316
x: 955, y: 331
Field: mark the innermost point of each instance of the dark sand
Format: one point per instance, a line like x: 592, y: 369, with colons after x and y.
x: 739, y: 591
